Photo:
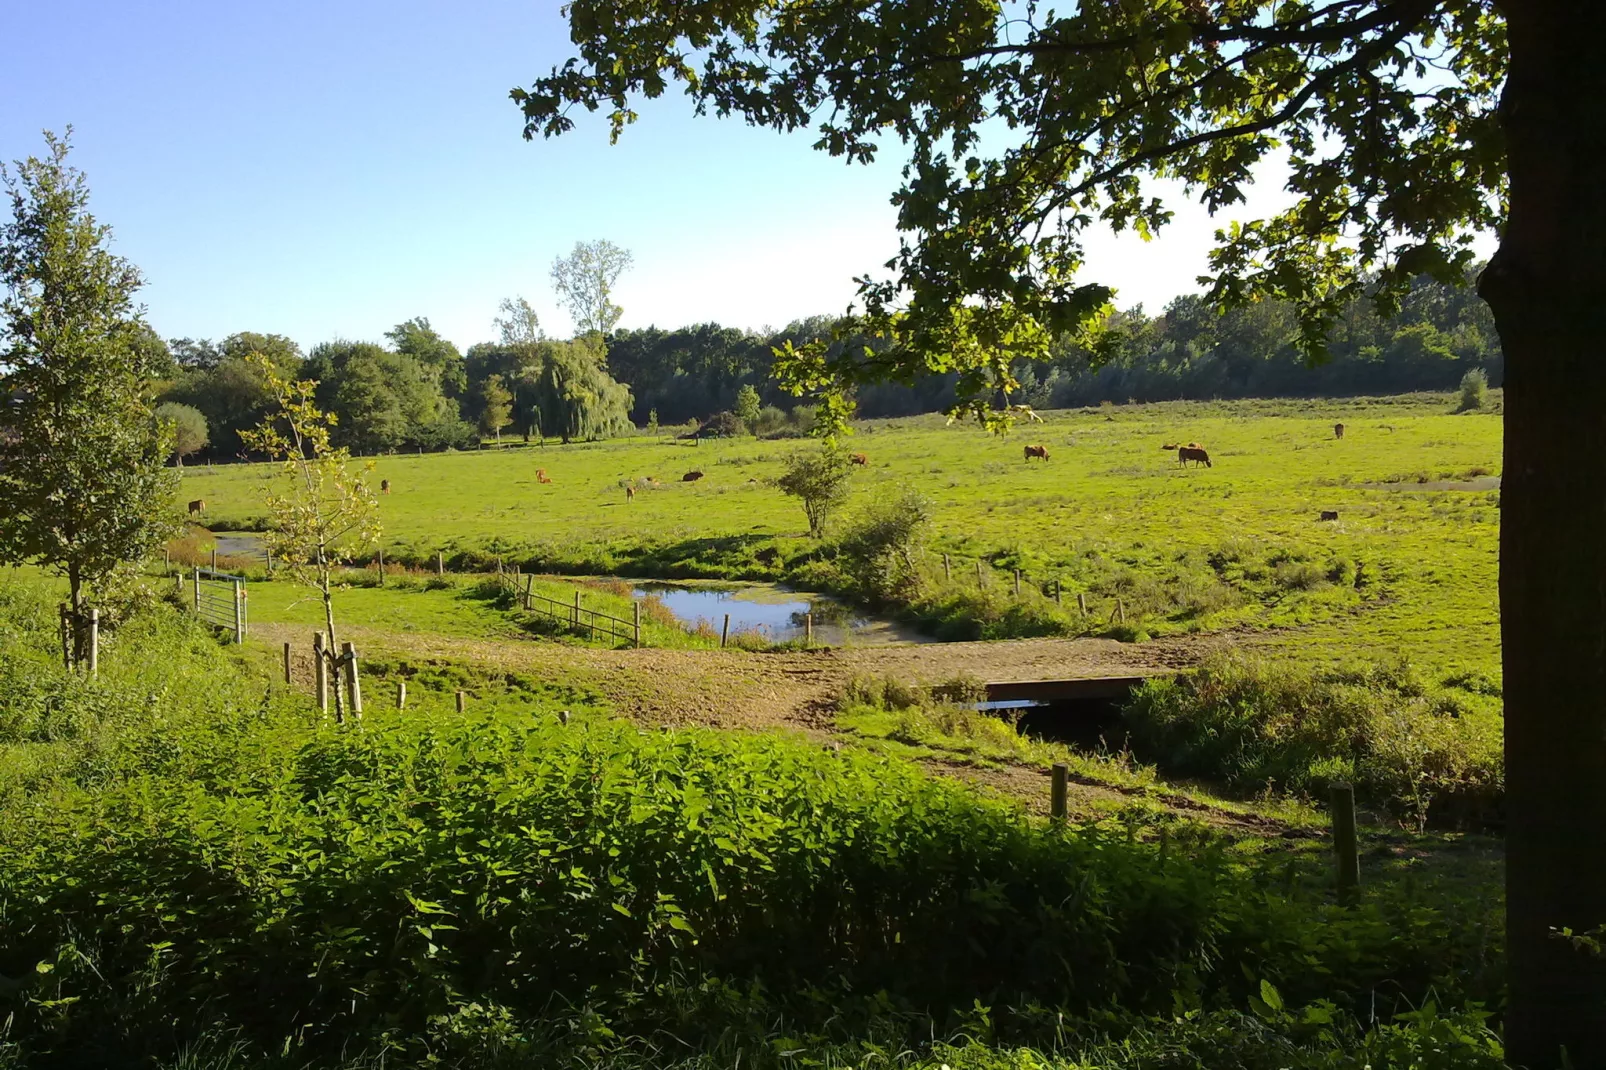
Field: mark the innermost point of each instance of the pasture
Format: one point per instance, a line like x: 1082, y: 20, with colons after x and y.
x: 1407, y: 570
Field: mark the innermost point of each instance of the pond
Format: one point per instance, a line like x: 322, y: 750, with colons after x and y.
x: 776, y: 612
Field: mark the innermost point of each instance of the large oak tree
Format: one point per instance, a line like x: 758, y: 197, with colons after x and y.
x: 1408, y: 126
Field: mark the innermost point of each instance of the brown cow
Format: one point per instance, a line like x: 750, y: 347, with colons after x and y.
x: 541, y: 476
x: 691, y: 477
x: 1329, y: 514
x: 198, y: 506
x: 1036, y: 451
x: 384, y: 486
x: 1193, y: 453
x: 860, y: 459
x: 1338, y: 430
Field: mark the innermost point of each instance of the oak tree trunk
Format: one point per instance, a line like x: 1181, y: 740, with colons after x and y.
x: 1547, y: 289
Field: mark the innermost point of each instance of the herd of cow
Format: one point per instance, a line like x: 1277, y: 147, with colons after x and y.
x: 1193, y: 451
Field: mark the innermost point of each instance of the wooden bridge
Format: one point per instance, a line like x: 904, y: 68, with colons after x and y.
x: 1108, y: 688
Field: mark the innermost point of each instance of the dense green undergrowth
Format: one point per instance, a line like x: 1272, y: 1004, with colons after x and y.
x: 194, y: 867
x: 1422, y: 751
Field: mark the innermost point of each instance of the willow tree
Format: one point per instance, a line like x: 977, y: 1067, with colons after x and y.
x: 573, y: 396
x: 1407, y: 127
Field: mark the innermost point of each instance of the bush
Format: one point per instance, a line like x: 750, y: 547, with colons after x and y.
x: 881, y: 550
x: 1474, y: 391
x: 1250, y: 725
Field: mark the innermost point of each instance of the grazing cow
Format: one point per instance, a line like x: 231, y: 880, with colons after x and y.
x: 691, y: 477
x: 384, y: 486
x: 630, y: 493
x: 198, y: 506
x: 1193, y: 453
x: 541, y: 476
x: 1036, y: 451
x: 1338, y: 430
x: 1329, y: 514
x: 860, y: 459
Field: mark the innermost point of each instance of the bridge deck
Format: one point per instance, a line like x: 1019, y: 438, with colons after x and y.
x: 1101, y: 687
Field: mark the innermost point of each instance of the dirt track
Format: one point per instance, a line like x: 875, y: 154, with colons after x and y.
x: 733, y: 688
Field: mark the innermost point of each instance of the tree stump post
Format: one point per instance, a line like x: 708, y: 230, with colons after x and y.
x: 1345, y: 844
x: 320, y: 672
x: 348, y: 654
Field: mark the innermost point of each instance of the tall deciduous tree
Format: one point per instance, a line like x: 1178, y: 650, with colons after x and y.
x: 572, y: 394
x: 189, y: 428
x: 585, y: 279
x: 496, y: 407
x: 1408, y: 126
x: 83, y: 489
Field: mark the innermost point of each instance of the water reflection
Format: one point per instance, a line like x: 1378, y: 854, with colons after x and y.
x: 776, y: 613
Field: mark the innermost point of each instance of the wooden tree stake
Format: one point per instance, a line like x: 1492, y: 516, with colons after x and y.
x: 1345, y: 844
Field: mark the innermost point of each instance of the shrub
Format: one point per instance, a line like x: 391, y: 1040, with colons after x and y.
x: 747, y: 405
x: 881, y: 550
x: 820, y: 479
x: 1474, y: 391
x: 1248, y: 725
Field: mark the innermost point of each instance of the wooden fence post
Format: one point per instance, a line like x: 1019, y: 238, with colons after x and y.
x: 1345, y: 845
x: 270, y: 561
x: 1120, y: 611
x: 381, y: 566
x: 320, y: 672
x: 462, y: 701
x: 197, y: 590
x: 979, y: 582
x: 1058, y: 592
x: 808, y: 628
x: 167, y: 560
x: 1017, y: 583
x: 1057, y: 791
x: 94, y: 642
x: 348, y: 654
x: 178, y: 584
x: 637, y: 607
x: 575, y: 620
x: 529, y: 584
x: 440, y: 563
x: 401, y: 694
x: 239, y: 611
x: 947, y: 570
x: 724, y: 633
x: 214, y: 559
x: 1081, y: 602
x: 287, y: 663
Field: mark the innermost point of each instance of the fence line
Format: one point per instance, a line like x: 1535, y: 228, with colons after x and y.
x: 577, y: 617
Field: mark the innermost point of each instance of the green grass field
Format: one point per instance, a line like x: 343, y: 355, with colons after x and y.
x: 1406, y: 571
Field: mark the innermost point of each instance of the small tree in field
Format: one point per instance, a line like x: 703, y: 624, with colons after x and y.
x: 820, y: 478
x: 1474, y: 391
x: 323, y: 513
x: 497, y: 412
x: 189, y: 428
x: 83, y: 486
x: 748, y: 406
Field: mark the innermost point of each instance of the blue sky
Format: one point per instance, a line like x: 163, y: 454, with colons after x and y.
x: 329, y: 169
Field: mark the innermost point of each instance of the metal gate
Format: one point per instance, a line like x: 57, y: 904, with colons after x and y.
x: 220, y: 600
